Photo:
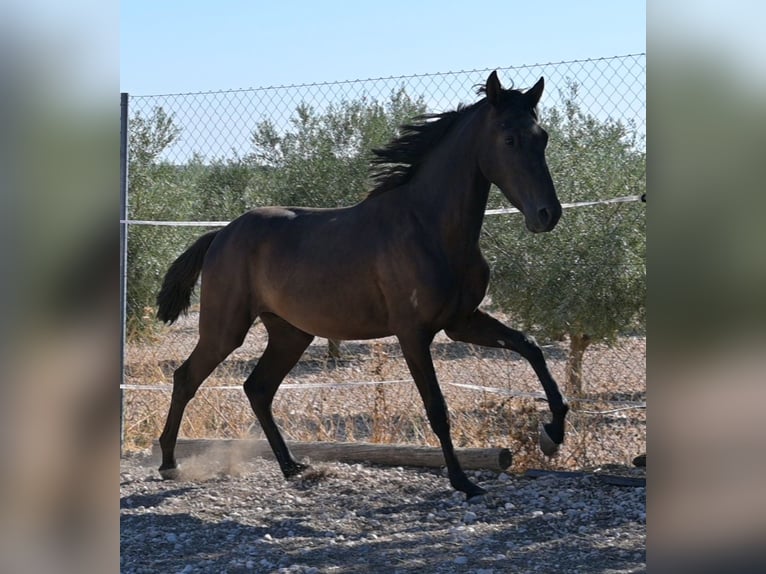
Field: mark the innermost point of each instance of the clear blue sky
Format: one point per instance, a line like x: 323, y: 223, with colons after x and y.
x: 174, y: 46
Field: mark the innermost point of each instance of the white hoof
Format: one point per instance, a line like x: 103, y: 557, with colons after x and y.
x: 547, y: 445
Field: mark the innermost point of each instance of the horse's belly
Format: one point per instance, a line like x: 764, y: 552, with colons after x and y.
x: 334, y: 314
x: 344, y: 326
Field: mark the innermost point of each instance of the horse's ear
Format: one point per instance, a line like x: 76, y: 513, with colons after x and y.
x: 493, y: 88
x: 534, y: 93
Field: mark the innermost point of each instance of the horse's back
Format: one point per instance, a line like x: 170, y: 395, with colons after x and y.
x: 316, y: 268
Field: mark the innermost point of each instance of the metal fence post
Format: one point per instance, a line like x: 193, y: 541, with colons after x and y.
x: 123, y: 250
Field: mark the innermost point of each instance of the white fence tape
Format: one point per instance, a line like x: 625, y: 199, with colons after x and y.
x: 307, y: 386
x: 283, y: 386
x: 541, y: 396
x: 503, y: 211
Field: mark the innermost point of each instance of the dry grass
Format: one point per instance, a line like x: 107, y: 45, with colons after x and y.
x: 393, y: 412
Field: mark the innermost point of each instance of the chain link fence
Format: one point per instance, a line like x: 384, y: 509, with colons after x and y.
x: 196, y: 161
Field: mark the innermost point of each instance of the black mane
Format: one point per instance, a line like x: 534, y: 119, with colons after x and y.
x: 396, y: 163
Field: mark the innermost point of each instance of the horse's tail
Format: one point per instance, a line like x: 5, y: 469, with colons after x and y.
x: 174, y: 297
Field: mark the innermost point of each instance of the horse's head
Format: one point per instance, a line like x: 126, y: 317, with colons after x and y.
x: 512, y: 153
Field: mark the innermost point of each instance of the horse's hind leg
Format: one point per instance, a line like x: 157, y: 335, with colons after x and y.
x: 211, y: 350
x: 286, y: 345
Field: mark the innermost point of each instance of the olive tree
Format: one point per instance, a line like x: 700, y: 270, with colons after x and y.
x: 322, y: 159
x: 157, y: 189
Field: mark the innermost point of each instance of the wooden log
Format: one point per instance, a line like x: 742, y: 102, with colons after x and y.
x: 496, y: 459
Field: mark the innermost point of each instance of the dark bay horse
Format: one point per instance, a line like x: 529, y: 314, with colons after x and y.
x: 404, y: 261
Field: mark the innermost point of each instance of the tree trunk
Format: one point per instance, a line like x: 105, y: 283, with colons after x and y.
x: 578, y: 342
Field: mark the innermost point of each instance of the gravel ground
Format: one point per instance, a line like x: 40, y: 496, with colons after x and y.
x: 340, y: 518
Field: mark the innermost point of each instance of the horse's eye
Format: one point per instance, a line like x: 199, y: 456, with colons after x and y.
x: 510, y: 140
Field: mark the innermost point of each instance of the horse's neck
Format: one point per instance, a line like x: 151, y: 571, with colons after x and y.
x: 450, y: 186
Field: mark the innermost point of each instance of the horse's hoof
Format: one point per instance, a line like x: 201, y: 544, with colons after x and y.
x: 547, y: 445
x: 294, y: 470
x: 473, y: 492
x: 170, y: 473
x: 476, y: 496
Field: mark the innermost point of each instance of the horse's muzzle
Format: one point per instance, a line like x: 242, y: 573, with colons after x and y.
x: 545, y: 219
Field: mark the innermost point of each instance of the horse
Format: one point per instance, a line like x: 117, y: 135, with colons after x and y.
x: 404, y: 261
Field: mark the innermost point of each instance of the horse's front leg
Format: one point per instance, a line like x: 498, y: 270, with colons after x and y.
x: 417, y: 353
x: 482, y: 329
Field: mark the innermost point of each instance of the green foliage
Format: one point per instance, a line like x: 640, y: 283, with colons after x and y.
x: 223, y: 190
x: 157, y: 190
x: 323, y: 159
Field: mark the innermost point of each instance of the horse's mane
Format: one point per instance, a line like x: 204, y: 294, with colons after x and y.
x: 396, y: 163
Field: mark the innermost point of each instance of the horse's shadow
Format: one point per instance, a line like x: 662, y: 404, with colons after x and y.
x: 151, y: 500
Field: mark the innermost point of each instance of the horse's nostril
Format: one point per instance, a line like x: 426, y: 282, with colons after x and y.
x: 547, y: 217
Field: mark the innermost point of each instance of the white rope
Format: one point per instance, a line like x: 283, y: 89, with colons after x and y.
x: 175, y: 223
x: 609, y: 412
x: 626, y: 199
x: 298, y: 386
x: 503, y: 211
x: 306, y: 386
x: 541, y: 396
